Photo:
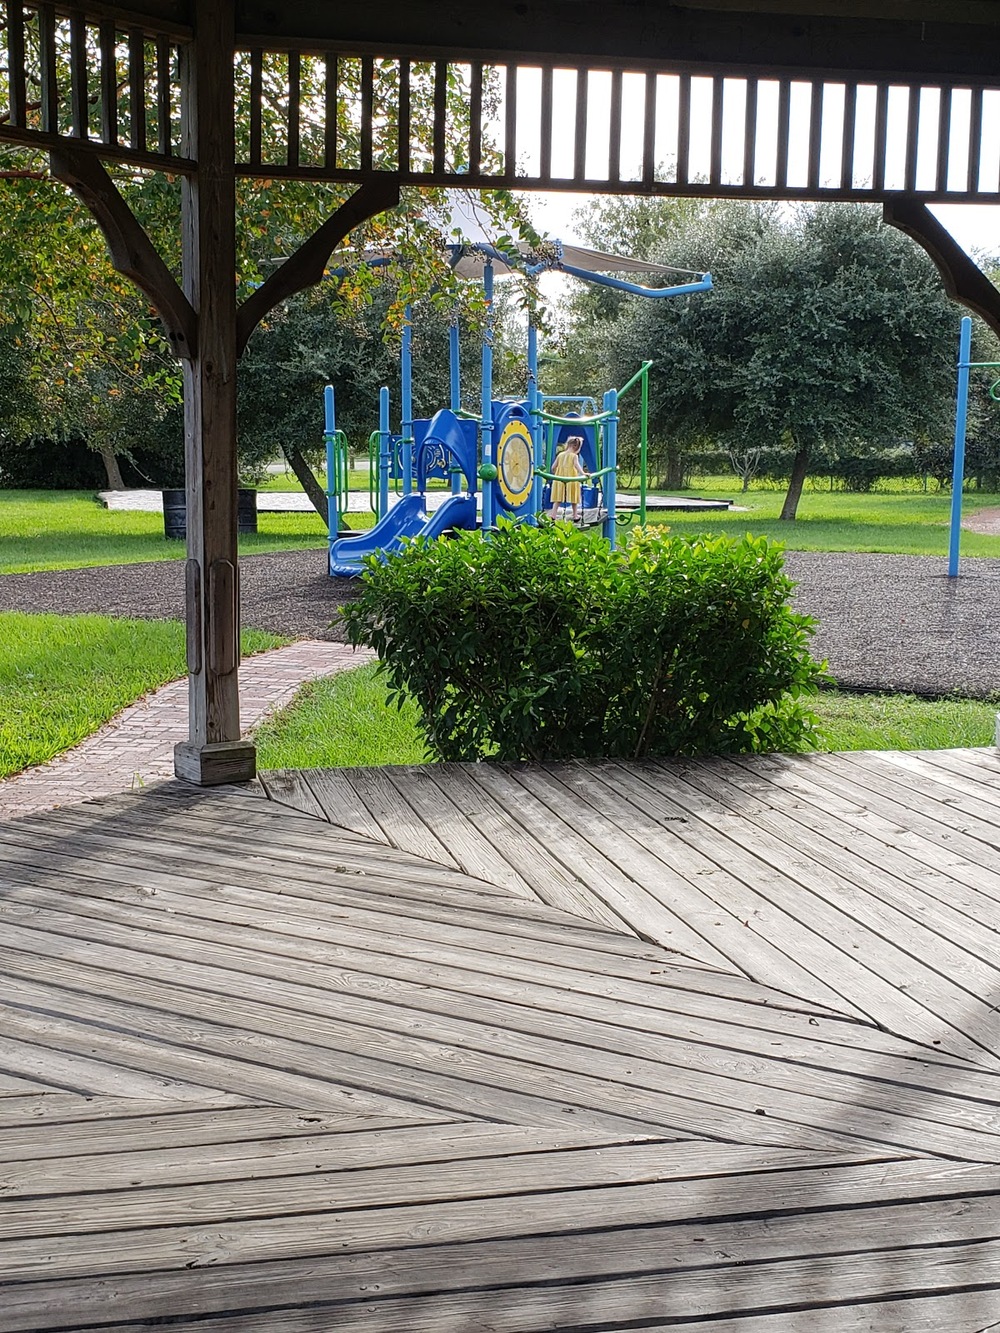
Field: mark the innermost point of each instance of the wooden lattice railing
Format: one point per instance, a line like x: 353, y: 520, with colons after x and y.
x: 342, y: 115
x: 64, y: 75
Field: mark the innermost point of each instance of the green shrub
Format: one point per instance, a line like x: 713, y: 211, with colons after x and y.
x: 542, y: 643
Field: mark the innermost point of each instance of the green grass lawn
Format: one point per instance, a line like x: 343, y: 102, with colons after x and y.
x: 70, y: 529
x: 340, y: 721
x: 905, y: 523
x: 62, y: 677
x: 345, y: 720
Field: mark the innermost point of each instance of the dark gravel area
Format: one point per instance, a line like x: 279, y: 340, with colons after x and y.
x: 891, y: 622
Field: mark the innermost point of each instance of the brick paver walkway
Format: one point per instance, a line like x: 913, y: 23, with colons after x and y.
x: 136, y: 747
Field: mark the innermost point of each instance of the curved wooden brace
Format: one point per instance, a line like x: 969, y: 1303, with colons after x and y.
x: 132, y: 252
x: 306, y: 266
x: 963, y: 280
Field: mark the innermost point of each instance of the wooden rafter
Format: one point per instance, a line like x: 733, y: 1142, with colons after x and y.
x: 963, y: 280
x: 132, y: 252
x: 305, y: 267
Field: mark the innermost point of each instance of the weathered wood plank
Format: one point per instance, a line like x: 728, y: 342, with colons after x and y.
x: 289, y: 787
x: 913, y: 997
x: 172, y: 1161
x: 122, y: 1127
x: 31, y: 1113
x: 550, y: 880
x: 605, y: 882
x: 731, y: 843
x: 961, y: 1312
x: 466, y: 843
x: 694, y: 884
x: 705, y: 1192
x: 796, y: 1101
x: 334, y: 1065
x: 639, y: 997
x: 318, y: 918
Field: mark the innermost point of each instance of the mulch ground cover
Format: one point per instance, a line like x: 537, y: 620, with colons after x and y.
x: 889, y: 622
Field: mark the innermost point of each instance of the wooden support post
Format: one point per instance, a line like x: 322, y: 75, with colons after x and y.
x: 214, y: 752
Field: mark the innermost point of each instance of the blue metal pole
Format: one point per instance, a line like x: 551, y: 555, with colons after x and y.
x: 329, y: 436
x: 455, y: 366
x: 384, y: 452
x: 486, y: 404
x: 406, y: 400
x: 536, y: 421
x: 610, y: 481
x: 958, y: 467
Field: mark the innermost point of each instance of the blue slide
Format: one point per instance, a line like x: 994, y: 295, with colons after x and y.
x: 407, y: 518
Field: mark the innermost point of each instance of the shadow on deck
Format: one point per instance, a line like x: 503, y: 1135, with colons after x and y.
x: 691, y: 1045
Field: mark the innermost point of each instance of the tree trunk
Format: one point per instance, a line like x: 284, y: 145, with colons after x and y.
x: 675, y: 469
x: 306, y: 479
x: 800, y: 466
x: 110, y: 460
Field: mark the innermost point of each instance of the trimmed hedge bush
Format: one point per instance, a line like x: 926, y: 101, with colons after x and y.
x: 542, y: 643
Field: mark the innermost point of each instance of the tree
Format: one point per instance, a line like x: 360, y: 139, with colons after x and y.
x: 321, y: 338
x: 94, y: 347
x: 825, y: 331
x: 638, y: 228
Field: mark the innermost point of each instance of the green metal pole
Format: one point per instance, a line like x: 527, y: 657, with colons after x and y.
x: 644, y: 442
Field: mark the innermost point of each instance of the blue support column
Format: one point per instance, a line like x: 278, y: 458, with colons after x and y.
x: 486, y: 402
x: 384, y: 452
x: 958, y: 465
x: 455, y: 368
x: 536, y: 422
x: 610, y: 482
x: 329, y: 437
x: 406, y: 400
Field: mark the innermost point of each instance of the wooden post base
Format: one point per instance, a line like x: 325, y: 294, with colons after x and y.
x: 211, y: 765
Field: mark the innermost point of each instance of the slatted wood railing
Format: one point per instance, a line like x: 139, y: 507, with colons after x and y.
x: 454, y: 120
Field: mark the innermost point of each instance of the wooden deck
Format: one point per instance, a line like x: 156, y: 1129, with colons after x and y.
x: 667, y: 1046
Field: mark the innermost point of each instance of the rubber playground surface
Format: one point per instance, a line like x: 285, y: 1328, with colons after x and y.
x: 889, y: 622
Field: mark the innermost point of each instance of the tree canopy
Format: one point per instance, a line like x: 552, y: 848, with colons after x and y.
x: 826, y: 331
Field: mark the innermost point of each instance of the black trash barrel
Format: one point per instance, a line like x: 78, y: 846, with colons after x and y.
x: 246, y: 510
x: 175, y: 513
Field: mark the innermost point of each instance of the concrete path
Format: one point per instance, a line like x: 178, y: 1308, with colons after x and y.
x: 136, y: 748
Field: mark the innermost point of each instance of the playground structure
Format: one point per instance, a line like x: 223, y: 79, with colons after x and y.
x: 497, y: 461
x: 965, y: 364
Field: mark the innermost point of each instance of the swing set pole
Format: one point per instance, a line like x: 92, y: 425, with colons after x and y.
x: 958, y: 465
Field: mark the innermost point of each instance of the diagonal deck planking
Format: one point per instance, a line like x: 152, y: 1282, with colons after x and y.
x: 689, y: 1045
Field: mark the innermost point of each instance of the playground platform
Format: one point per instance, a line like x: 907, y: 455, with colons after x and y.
x: 692, y: 1045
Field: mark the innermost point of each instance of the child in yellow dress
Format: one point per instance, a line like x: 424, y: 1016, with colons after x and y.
x: 567, y: 465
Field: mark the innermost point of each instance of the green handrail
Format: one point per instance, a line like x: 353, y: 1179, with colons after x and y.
x: 374, y: 459
x: 576, y: 476
x: 338, y: 485
x: 642, y: 374
x: 574, y: 421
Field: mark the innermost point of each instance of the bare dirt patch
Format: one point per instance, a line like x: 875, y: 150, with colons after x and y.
x: 985, y: 521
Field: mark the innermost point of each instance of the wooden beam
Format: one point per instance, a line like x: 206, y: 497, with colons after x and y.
x: 214, y: 752
x: 306, y: 266
x: 884, y: 42
x: 132, y: 252
x: 963, y: 280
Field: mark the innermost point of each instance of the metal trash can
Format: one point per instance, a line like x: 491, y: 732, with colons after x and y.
x: 175, y: 513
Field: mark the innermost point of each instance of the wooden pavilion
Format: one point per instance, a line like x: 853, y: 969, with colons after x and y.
x: 409, y: 1049
x: 156, y: 85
